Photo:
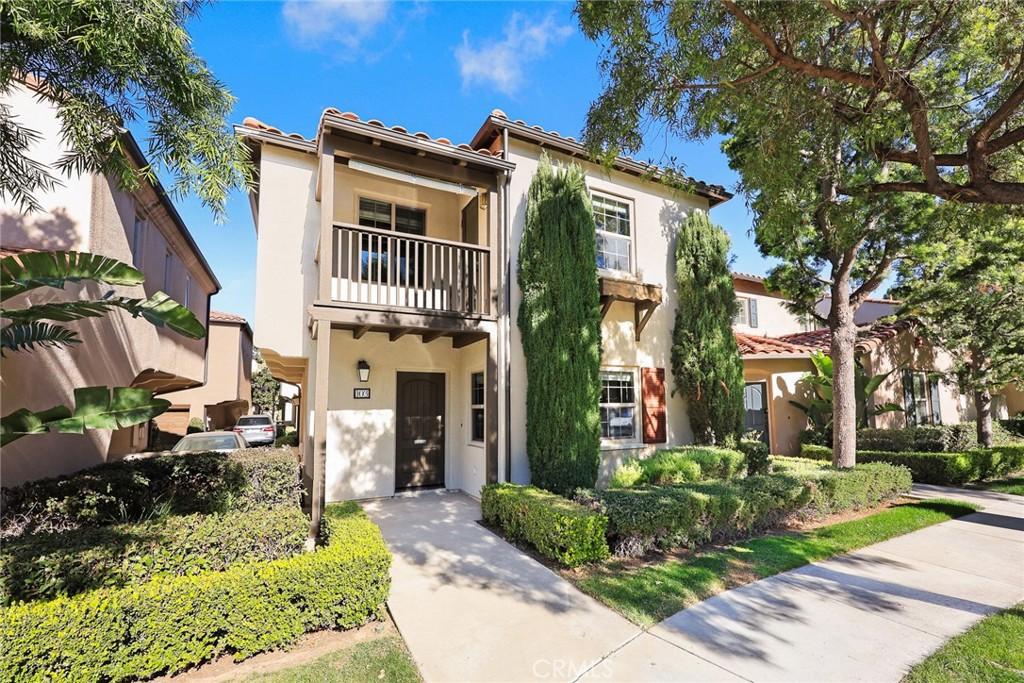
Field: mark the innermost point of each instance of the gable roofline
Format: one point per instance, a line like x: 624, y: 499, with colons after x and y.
x: 803, y: 344
x: 498, y: 120
x: 223, y: 318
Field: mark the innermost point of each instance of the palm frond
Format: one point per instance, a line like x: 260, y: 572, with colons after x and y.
x: 65, y: 311
x: 19, y: 336
x: 159, y: 309
x: 26, y: 271
x: 95, y: 408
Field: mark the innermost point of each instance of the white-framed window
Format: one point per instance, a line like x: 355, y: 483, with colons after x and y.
x: 476, y: 409
x: 613, y: 220
x: 746, y: 311
x: 618, y: 405
x: 188, y: 291
x: 168, y: 262
x: 138, y: 236
x: 921, y: 398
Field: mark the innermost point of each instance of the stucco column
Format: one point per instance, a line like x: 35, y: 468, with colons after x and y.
x: 491, y: 406
x: 322, y: 385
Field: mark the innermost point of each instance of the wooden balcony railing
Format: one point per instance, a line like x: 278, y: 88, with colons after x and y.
x: 399, y: 270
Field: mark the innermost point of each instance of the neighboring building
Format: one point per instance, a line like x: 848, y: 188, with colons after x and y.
x: 227, y: 393
x: 91, y: 213
x: 776, y: 352
x: 405, y: 348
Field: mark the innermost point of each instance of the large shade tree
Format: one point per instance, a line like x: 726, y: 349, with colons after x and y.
x: 933, y: 88
x: 967, y: 288
x: 560, y: 322
x: 104, y: 64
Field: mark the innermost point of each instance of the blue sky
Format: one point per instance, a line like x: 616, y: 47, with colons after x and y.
x: 435, y: 67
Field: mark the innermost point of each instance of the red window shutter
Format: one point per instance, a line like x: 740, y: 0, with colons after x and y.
x: 652, y: 381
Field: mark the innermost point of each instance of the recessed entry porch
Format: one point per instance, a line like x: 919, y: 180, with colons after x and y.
x: 411, y: 403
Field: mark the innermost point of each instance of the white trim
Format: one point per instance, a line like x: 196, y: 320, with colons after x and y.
x: 631, y: 238
x: 626, y: 442
x: 473, y: 406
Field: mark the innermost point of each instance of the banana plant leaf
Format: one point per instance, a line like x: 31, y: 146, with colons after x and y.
x: 887, y: 408
x: 27, y: 271
x: 95, y: 408
x: 26, y: 336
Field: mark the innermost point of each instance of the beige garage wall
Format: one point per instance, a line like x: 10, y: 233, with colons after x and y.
x: 361, y: 432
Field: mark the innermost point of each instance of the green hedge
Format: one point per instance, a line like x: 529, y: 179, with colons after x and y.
x: 666, y: 517
x: 679, y: 466
x: 174, y: 622
x: 953, y: 438
x: 757, y: 454
x: 558, y: 528
x: 815, y: 452
x: 688, y: 515
x: 133, y: 490
x: 944, y: 469
x: 43, y: 566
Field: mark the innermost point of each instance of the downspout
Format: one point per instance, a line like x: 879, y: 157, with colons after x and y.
x: 505, y: 232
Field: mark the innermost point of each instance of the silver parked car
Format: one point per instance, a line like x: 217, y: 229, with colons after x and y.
x: 258, y: 430
x: 210, y: 441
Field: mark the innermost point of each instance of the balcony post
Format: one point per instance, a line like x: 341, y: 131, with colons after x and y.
x: 325, y: 188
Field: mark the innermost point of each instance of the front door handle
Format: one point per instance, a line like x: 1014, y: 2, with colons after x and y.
x: 419, y: 442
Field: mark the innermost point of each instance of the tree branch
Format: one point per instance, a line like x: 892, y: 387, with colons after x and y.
x: 754, y: 75
x: 975, y: 193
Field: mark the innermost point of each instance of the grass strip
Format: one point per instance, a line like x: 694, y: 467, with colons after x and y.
x: 649, y: 593
x: 990, y: 652
x: 1014, y: 485
x: 384, y: 660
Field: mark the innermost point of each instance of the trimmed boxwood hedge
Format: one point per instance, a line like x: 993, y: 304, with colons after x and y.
x: 954, y: 438
x: 43, y: 566
x: 132, y: 490
x: 943, y: 469
x: 679, y: 466
x: 557, y: 527
x: 689, y: 515
x: 757, y: 454
x: 173, y: 622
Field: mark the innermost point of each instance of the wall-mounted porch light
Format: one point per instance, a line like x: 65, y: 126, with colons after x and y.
x: 364, y: 371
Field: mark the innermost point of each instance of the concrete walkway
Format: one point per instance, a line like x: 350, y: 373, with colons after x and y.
x: 473, y: 608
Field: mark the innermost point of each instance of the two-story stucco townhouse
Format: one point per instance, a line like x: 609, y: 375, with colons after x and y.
x: 387, y: 290
x: 91, y: 212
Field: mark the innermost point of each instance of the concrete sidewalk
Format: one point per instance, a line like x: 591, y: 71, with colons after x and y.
x: 866, y: 616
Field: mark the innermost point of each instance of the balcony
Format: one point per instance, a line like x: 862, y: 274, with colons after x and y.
x: 388, y: 270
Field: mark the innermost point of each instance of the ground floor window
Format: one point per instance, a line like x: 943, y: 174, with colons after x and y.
x: 476, y: 417
x: 921, y: 398
x: 618, y: 405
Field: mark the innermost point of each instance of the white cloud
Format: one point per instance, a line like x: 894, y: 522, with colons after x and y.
x: 314, y: 23
x: 500, y: 64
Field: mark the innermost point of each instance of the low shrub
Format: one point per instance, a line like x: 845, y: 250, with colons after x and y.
x: 815, y: 452
x: 757, y: 454
x: 865, y: 485
x: 287, y: 439
x: 196, y: 425
x: 134, y: 490
x: 43, y: 566
x: 666, y: 517
x: 1014, y: 425
x: 950, y: 469
x: 952, y: 438
x: 679, y: 466
x: 558, y: 528
x: 173, y: 622
x: 998, y: 461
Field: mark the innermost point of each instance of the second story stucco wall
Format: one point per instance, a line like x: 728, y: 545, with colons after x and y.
x: 772, y: 316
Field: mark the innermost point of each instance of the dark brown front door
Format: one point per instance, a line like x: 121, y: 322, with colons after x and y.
x: 419, y: 458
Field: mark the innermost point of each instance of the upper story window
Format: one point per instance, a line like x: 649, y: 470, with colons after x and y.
x: 614, y: 233
x: 168, y: 262
x: 746, y: 312
x: 921, y: 398
x: 375, y: 257
x: 476, y: 417
x: 138, y: 236
x: 374, y: 214
x: 618, y: 405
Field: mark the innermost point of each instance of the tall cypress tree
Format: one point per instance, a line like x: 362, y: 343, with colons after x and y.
x: 706, y: 362
x: 560, y: 322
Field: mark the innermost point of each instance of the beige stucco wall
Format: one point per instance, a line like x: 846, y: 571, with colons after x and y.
x: 91, y: 213
x: 773, y: 319
x: 657, y: 212
x: 361, y: 432
x: 783, y: 379
x: 228, y: 371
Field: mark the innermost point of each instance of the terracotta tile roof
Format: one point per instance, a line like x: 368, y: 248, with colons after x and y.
x: 252, y: 122
x: 748, y: 276
x: 805, y: 343
x: 718, y: 192
x: 222, y: 317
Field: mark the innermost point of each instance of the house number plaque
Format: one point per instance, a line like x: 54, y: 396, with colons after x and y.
x: 361, y: 392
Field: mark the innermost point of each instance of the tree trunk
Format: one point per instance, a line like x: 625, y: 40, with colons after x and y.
x: 983, y: 407
x: 844, y: 401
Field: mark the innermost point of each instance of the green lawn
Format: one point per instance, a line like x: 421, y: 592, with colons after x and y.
x: 1009, y: 485
x: 384, y: 660
x: 650, y: 593
x: 991, y: 652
